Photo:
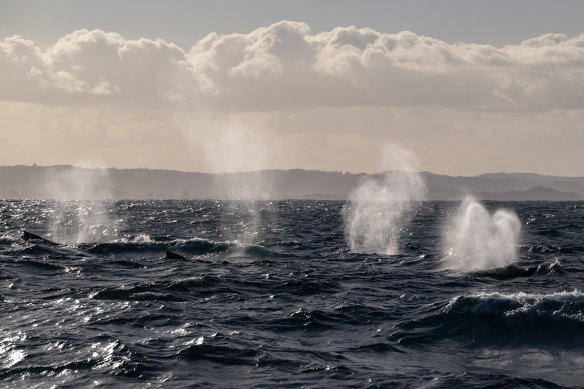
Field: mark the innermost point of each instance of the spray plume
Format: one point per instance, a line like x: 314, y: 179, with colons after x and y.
x: 239, y: 154
x: 383, y: 204
x: 476, y: 240
x: 81, y: 212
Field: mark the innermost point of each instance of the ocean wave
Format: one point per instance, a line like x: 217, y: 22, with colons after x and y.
x: 251, y: 251
x: 144, y: 245
x: 308, y: 287
x: 497, y: 318
x: 227, y: 354
x: 482, y: 380
x: 127, y: 263
x: 538, y: 249
x: 36, y: 250
x: 200, y: 247
x: 111, y: 357
x: 547, y: 249
x: 7, y: 240
x: 181, y: 290
x: 513, y: 271
x: 550, y: 232
x: 522, y: 306
x: 40, y: 265
x: 123, y: 247
x: 195, y: 283
x: 571, y: 249
x: 317, y: 319
x: 121, y: 294
x: 378, y: 347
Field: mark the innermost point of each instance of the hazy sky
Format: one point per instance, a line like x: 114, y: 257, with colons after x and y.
x: 468, y: 86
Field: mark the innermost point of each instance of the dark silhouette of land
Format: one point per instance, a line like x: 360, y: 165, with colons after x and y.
x: 68, y: 182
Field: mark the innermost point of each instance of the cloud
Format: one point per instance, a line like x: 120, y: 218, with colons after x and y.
x: 19, y: 61
x: 94, y: 66
x: 285, y: 66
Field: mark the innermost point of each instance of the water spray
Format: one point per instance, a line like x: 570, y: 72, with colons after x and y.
x: 475, y: 240
x: 382, y: 205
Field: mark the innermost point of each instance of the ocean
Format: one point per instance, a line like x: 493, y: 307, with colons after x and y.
x: 269, y: 295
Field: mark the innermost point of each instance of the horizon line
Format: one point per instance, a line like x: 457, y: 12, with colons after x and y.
x: 34, y: 165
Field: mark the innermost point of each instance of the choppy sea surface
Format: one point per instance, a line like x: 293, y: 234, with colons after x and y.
x: 269, y: 295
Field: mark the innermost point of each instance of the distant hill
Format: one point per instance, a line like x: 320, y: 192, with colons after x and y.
x: 533, y: 194
x: 63, y: 181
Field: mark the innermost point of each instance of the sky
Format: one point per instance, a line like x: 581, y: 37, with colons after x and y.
x: 469, y: 87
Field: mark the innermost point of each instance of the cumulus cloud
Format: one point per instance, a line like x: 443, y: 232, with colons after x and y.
x: 285, y: 66
x: 88, y: 66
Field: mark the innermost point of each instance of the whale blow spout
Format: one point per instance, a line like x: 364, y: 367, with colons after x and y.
x: 476, y: 240
x: 383, y: 205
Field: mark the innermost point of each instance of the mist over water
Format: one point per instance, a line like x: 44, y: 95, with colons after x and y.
x: 382, y: 205
x: 477, y: 240
x: 80, y: 213
x: 240, y: 154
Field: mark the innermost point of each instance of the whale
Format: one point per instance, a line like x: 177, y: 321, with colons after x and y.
x: 507, y: 272
x: 34, y: 237
x: 173, y: 255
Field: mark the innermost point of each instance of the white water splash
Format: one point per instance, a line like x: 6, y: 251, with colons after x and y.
x: 384, y: 204
x: 476, y: 240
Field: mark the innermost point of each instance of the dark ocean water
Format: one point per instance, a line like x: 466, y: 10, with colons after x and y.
x: 270, y: 296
